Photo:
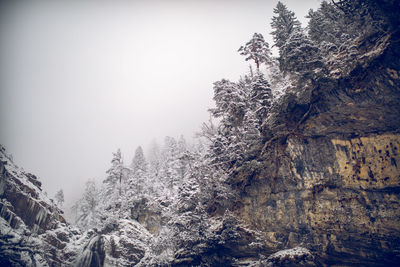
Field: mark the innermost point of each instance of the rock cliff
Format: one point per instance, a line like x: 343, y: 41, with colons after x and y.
x: 34, y: 233
x: 328, y: 177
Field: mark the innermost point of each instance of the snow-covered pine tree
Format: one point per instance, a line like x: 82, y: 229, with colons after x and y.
x: 59, y: 197
x: 261, y: 97
x: 113, y: 187
x: 284, y: 23
x: 139, y: 161
x: 170, y: 165
x: 256, y: 49
x: 114, y: 178
x: 86, y: 209
x: 155, y: 164
x: 327, y: 24
x: 137, y: 180
x: 296, y: 52
x: 230, y: 101
x: 279, y: 82
x: 115, y: 172
x: 187, y: 222
x: 184, y: 157
x: 258, y: 101
x: 300, y: 54
x: 217, y: 143
x: 330, y: 28
x: 231, y: 105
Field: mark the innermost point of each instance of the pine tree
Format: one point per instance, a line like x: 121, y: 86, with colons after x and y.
x: 300, y: 54
x: 330, y: 28
x: 154, y: 158
x: 284, y: 24
x: 86, y: 209
x: 296, y: 52
x: 113, y: 190
x: 59, y: 197
x: 256, y: 49
x: 279, y: 82
x: 170, y: 166
x: 139, y: 161
x: 139, y: 171
x: 230, y: 101
x: 261, y: 97
x: 326, y: 24
x: 114, y: 178
x: 184, y: 156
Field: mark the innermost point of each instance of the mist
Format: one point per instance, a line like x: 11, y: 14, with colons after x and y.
x: 81, y: 79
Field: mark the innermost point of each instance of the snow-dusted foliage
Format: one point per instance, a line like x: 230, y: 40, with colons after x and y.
x: 330, y: 29
x: 284, y: 24
x: 300, y: 54
x: 59, y: 197
x: 330, y: 25
x: 167, y: 194
x: 241, y: 109
x: 86, y: 210
x: 256, y: 49
x: 297, y: 53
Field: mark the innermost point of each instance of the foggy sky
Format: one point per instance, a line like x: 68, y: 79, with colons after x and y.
x: 79, y: 79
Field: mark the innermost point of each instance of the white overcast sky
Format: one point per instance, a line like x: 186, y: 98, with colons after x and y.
x: 79, y: 79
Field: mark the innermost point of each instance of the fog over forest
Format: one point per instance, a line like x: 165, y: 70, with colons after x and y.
x: 79, y: 80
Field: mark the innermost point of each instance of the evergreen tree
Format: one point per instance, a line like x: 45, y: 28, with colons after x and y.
x: 59, y: 197
x: 170, y: 166
x: 300, y: 54
x: 184, y: 156
x: 330, y: 28
x: 86, y: 209
x: 230, y: 101
x: 115, y: 172
x: 114, y: 178
x: 137, y: 177
x: 279, y: 82
x: 284, y: 24
x: 139, y: 160
x: 296, y: 52
x: 113, y: 190
x: 327, y: 24
x: 256, y: 49
x: 154, y: 168
x: 261, y: 97
x: 154, y: 158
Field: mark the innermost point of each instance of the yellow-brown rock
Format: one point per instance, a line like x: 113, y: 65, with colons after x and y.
x: 328, y: 175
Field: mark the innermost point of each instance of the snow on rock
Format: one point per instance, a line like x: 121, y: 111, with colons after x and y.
x: 126, y: 243
x: 22, y: 197
x: 32, y: 230
x: 297, y: 256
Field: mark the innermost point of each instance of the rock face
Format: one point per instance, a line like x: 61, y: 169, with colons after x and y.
x: 33, y: 232
x: 329, y: 173
x: 32, y: 229
x: 22, y: 199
